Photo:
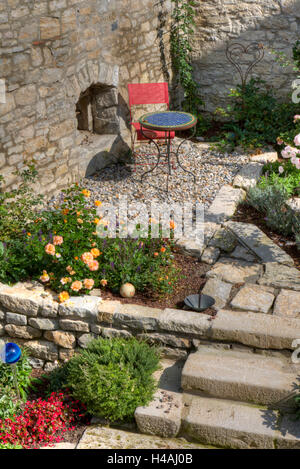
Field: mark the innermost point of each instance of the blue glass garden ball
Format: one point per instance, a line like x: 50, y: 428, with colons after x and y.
x: 12, y: 353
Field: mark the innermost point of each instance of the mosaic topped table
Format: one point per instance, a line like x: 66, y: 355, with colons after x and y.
x: 168, y: 121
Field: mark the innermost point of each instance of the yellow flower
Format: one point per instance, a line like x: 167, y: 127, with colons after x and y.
x: 86, y: 193
x: 95, y: 252
x: 98, y: 203
x: 96, y: 221
x: 63, y: 296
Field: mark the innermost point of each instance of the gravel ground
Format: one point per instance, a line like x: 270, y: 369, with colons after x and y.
x: 211, y: 168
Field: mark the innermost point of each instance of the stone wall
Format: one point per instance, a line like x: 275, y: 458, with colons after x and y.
x: 51, y: 51
x: 52, y: 332
x: 275, y: 24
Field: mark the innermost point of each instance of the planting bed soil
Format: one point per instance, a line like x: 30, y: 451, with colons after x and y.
x: 247, y: 214
x: 191, y: 280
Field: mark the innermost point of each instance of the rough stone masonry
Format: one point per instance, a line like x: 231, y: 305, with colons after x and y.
x: 52, y: 52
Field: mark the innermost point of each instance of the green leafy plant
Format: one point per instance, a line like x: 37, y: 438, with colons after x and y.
x: 23, y: 371
x: 62, y: 248
x: 256, y: 117
x: 19, y: 206
x: 111, y: 377
x: 281, y: 174
x: 182, y: 30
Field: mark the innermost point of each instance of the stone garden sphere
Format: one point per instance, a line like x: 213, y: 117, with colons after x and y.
x: 127, y: 290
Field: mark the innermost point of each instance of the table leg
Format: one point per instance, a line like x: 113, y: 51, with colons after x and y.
x: 177, y: 154
x: 158, y: 156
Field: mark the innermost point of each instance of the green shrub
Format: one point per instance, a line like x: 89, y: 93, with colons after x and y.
x: 111, y: 377
x: 256, y: 116
x: 271, y: 201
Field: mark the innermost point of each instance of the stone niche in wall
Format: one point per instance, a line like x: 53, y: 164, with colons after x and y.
x: 97, y: 110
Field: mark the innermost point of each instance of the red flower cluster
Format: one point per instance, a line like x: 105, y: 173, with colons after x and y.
x: 41, y: 421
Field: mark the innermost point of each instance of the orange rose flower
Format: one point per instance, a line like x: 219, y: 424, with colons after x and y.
x: 95, y: 252
x: 93, y: 266
x: 76, y: 286
x: 163, y: 249
x: 50, y: 249
x: 103, y: 282
x: 172, y: 225
x: 87, y: 257
x: 88, y: 283
x: 65, y: 211
x: 80, y: 221
x: 63, y: 296
x: 155, y: 254
x: 58, y: 240
x: 86, y: 193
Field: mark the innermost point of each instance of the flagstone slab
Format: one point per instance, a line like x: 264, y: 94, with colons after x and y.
x: 248, y: 176
x: 242, y: 253
x: 224, y: 204
x: 254, y: 298
x: 252, y: 237
x: 288, y: 304
x: 281, y: 276
x: 218, y: 290
x: 235, y: 271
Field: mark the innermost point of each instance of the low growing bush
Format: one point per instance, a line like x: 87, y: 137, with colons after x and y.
x: 271, y: 201
x: 111, y: 377
x: 39, y: 423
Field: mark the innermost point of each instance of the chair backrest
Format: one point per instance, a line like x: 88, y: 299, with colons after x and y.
x: 148, y: 93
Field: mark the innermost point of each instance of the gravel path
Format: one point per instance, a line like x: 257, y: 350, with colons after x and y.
x: 212, y: 169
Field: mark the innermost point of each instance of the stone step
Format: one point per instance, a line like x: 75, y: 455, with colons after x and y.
x: 101, y: 437
x: 237, y: 425
x: 162, y: 416
x: 240, y: 376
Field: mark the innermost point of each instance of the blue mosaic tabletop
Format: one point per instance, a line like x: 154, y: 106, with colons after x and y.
x: 168, y: 120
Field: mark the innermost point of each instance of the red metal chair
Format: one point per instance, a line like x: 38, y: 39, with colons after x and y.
x: 146, y: 94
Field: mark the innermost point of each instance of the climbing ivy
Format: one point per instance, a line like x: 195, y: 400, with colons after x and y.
x: 183, y: 27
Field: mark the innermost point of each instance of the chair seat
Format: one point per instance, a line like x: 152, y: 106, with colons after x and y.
x: 154, y: 134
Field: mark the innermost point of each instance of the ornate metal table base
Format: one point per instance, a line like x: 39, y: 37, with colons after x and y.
x: 168, y: 154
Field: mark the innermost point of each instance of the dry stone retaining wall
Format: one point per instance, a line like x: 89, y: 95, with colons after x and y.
x: 52, y: 332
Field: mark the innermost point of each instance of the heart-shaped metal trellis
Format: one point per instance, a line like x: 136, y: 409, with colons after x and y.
x: 240, y: 49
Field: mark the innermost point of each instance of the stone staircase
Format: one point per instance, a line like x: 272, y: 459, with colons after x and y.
x: 225, y: 398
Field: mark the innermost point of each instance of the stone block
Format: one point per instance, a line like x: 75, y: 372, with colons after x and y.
x: 17, y: 319
x: 61, y: 338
